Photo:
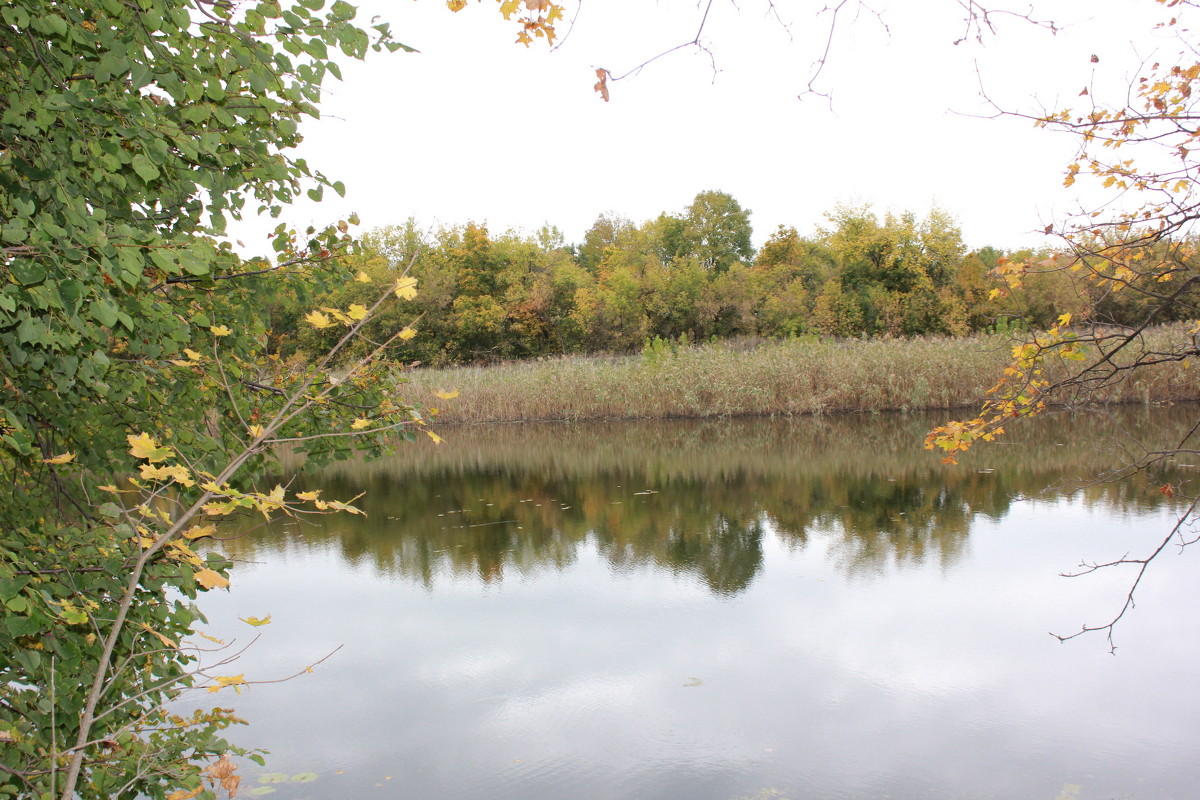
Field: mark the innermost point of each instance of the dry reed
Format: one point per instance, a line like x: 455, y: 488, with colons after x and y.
x: 782, y: 378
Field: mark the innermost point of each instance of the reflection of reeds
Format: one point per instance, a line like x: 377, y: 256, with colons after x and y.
x: 693, y: 497
x: 1053, y: 447
x: 783, y: 378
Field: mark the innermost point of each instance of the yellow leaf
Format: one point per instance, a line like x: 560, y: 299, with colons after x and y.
x: 362, y: 277
x: 255, y: 621
x: 338, y: 315
x: 210, y: 579
x: 450, y: 395
x: 360, y: 423
x: 408, y: 333
x: 310, y: 496
x: 222, y: 681
x: 993, y: 294
x: 336, y: 505
x: 436, y: 439
x: 192, y: 354
x: 181, y: 552
x: 173, y: 472
x: 456, y: 5
x: 256, y: 431
x: 1064, y: 320
x: 406, y: 288
x: 219, y: 509
x: 62, y: 458
x: 220, y: 330
x: 143, y: 446
x: 317, y: 320
x: 199, y: 531
x: 356, y: 311
x: 186, y: 795
x: 161, y: 637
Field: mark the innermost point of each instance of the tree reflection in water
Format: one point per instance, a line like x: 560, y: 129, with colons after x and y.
x: 698, y: 498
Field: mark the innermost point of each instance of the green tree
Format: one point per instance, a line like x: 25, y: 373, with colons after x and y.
x: 604, y: 233
x: 717, y: 231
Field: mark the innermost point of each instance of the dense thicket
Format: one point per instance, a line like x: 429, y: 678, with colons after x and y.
x: 692, y: 276
x: 132, y: 380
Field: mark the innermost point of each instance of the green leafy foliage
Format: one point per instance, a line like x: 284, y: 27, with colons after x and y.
x: 130, y: 133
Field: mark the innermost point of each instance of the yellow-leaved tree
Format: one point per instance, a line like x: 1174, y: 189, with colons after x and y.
x: 1132, y: 259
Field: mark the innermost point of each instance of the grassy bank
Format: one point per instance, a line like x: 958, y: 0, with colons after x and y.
x: 784, y: 378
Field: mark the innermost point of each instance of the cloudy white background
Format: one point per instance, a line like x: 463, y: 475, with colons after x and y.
x: 477, y: 128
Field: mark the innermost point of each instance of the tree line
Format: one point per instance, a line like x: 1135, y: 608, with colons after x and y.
x: 688, y: 277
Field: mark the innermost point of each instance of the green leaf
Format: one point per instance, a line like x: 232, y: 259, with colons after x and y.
x: 104, y: 313
x: 27, y: 272
x: 144, y: 167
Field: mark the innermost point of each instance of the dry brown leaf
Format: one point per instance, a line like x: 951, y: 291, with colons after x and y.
x: 601, y: 85
x: 221, y: 771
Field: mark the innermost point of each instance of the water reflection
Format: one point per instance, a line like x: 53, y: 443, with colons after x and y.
x: 698, y: 499
x: 719, y: 611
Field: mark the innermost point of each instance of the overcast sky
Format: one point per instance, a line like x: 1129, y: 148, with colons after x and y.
x: 477, y: 128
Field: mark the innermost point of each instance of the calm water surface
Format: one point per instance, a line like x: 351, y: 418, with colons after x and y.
x: 718, y: 611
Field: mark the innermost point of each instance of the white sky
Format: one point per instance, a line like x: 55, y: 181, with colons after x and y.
x: 477, y: 128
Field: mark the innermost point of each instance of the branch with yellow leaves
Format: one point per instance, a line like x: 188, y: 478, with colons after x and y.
x: 215, y: 498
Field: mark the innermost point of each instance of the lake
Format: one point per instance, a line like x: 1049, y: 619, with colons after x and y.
x: 764, y: 609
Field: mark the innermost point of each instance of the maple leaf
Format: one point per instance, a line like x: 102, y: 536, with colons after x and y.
x: 210, y: 579
x: 317, y: 320
x: 356, y: 311
x: 183, y: 794
x: 223, y: 768
x: 181, y: 552
x: 362, y: 277
x: 601, y: 85
x: 143, y: 446
x: 167, y: 642
x: 173, y: 472
x: 199, y: 531
x: 220, y: 509
x: 336, y: 505
x: 62, y: 458
x: 450, y: 395
x: 338, y: 314
x: 360, y: 423
x: 220, y: 330
x: 406, y: 288
x: 407, y: 333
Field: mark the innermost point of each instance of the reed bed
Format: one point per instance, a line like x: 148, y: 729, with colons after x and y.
x: 780, y: 378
